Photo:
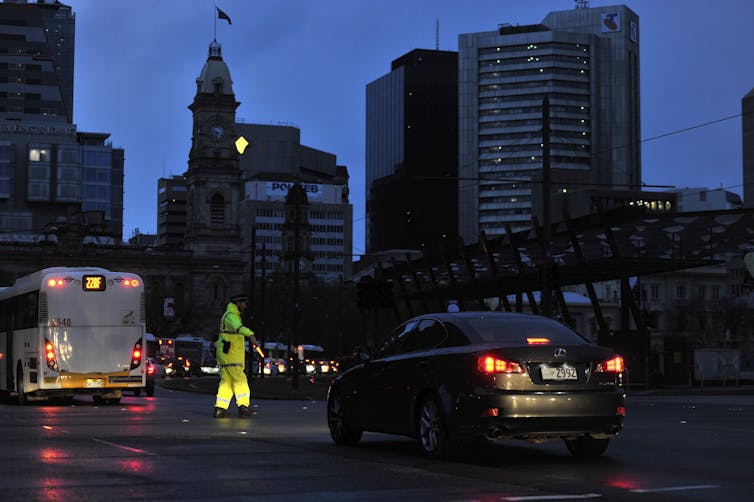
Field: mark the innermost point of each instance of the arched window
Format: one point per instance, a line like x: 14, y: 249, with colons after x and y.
x: 217, y: 210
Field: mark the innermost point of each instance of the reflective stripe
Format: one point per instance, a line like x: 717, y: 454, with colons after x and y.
x: 223, y: 400
x: 241, y: 396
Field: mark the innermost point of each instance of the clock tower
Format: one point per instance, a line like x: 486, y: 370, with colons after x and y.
x: 213, y: 178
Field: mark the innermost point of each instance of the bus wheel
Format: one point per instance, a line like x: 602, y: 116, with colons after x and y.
x: 20, y: 386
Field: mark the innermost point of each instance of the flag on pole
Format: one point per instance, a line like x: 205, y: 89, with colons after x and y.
x: 223, y: 15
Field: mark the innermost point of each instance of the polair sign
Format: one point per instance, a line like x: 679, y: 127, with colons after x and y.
x: 280, y: 189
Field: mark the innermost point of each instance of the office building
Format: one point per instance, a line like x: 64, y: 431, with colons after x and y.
x: 274, y: 161
x: 706, y: 199
x: 411, y: 154
x: 585, y: 62
x: 171, y: 211
x: 55, y: 182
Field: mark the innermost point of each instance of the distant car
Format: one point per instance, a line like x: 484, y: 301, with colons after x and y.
x: 445, y: 376
x: 152, y: 372
x: 151, y: 377
x: 181, y: 368
x: 210, y: 367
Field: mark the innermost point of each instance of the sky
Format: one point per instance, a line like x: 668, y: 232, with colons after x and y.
x: 307, y: 63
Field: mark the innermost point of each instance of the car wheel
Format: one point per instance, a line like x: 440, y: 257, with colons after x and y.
x: 586, y: 446
x: 432, y: 435
x: 150, y: 391
x: 20, y: 386
x: 336, y: 421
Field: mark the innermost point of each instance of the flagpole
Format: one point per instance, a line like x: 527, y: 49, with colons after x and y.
x: 214, y: 15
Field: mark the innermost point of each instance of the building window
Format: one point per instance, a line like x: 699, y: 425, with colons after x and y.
x: 716, y: 293
x: 655, y: 291
x: 680, y: 291
x: 39, y: 155
x: 217, y: 210
x: 703, y: 196
x: 6, y: 169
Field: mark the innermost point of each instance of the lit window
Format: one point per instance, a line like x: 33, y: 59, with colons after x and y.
x: 39, y: 155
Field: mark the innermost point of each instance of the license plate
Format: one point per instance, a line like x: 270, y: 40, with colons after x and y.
x: 559, y: 373
x: 92, y: 383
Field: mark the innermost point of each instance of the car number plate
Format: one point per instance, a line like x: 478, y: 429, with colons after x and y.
x: 559, y: 373
x: 93, y: 383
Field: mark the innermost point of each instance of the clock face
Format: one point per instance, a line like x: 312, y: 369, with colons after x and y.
x: 217, y: 132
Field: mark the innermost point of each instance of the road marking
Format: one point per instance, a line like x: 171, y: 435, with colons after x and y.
x: 674, y: 488
x: 555, y: 497
x: 123, y: 447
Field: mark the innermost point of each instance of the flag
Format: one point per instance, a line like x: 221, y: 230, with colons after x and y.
x: 223, y: 15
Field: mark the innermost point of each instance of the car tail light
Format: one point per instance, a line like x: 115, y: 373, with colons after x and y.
x: 537, y: 341
x: 52, y: 361
x: 136, y: 355
x: 621, y: 411
x: 150, y: 369
x: 490, y: 365
x: 614, y: 365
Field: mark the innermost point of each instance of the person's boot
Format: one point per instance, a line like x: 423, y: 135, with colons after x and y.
x: 221, y: 413
x: 244, y: 412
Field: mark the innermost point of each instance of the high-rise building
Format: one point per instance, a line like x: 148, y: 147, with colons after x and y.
x: 273, y: 162
x: 411, y: 154
x: 54, y: 180
x: 36, y: 61
x: 171, y: 211
x: 585, y: 62
x: 747, y: 136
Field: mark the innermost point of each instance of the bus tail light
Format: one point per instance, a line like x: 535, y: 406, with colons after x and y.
x: 614, y: 365
x: 136, y: 355
x: 56, y: 282
x: 491, y: 365
x: 52, y: 361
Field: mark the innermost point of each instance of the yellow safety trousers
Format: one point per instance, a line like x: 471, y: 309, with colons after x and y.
x: 232, y: 381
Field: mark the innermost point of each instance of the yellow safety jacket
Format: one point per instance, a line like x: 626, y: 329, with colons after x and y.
x: 230, y: 343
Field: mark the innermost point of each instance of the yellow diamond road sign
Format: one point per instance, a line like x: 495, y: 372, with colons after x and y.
x: 241, y: 144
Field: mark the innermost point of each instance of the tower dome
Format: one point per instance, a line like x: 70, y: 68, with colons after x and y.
x: 215, y: 76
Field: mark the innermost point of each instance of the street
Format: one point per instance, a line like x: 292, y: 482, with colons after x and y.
x: 170, y: 447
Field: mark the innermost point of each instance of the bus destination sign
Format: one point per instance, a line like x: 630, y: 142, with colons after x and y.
x: 94, y: 282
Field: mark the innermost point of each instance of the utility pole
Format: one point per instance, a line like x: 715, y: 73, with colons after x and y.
x: 546, y: 300
x: 296, y: 277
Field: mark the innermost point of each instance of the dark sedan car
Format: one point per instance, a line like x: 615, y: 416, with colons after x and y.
x: 443, y: 377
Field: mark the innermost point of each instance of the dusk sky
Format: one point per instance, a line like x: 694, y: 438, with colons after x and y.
x: 307, y: 63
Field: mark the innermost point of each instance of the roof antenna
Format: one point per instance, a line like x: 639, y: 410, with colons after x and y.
x: 437, y: 33
x: 582, y: 4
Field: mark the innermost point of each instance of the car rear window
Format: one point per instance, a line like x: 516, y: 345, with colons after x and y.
x: 515, y: 331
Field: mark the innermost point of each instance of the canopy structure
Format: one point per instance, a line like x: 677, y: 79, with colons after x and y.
x: 615, y: 245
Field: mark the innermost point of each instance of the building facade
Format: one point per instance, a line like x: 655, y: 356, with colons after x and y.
x: 411, y: 154
x: 274, y: 161
x: 171, y: 211
x: 54, y: 180
x: 705, y: 199
x: 585, y: 62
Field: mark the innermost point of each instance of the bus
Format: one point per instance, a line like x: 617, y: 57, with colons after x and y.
x: 73, y: 331
x: 189, y: 351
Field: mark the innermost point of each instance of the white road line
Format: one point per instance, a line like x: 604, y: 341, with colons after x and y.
x: 674, y: 488
x: 123, y: 447
x: 554, y: 497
